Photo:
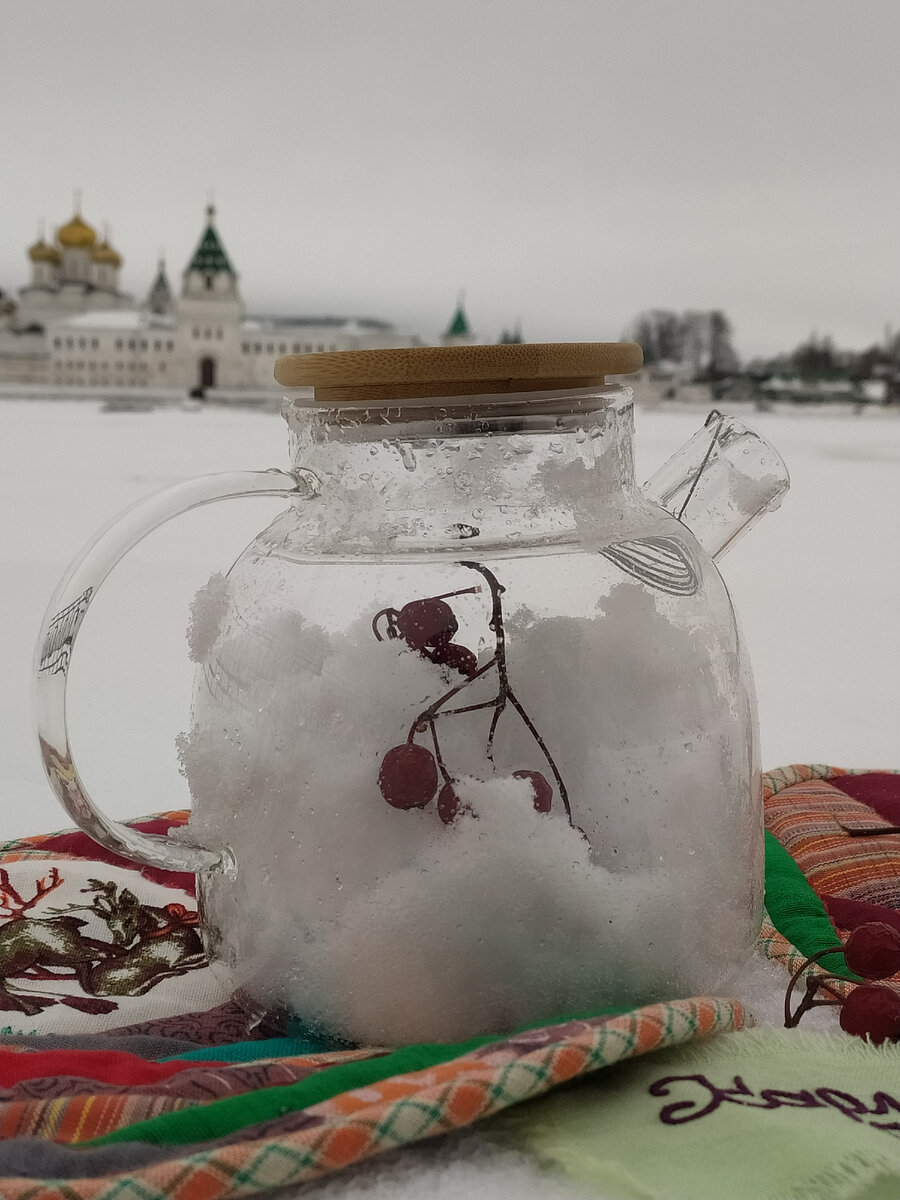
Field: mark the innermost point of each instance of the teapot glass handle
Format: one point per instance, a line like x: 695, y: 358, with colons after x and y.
x: 65, y: 613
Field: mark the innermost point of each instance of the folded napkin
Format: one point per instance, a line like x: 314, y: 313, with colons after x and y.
x: 760, y: 1115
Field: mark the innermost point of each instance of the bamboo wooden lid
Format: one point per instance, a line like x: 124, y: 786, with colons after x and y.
x: 380, y: 376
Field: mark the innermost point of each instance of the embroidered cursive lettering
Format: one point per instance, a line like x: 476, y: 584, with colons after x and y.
x: 699, y: 1097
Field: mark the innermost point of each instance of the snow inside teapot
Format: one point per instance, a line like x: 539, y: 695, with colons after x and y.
x: 473, y: 739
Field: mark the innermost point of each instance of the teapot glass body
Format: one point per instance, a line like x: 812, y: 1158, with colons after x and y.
x: 473, y: 731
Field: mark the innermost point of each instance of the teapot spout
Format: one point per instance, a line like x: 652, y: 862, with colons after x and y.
x: 720, y: 482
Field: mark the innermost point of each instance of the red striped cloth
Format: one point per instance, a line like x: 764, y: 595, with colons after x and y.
x: 105, y: 1066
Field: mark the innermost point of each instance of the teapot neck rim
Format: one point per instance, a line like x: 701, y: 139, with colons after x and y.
x: 460, y: 411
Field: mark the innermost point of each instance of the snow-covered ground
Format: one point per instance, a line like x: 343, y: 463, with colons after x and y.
x: 816, y: 584
x: 817, y: 587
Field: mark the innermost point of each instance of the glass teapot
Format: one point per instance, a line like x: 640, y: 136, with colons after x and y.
x: 473, y: 736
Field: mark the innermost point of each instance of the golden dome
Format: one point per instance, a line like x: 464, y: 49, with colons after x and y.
x: 42, y: 252
x: 76, y: 233
x: 104, y: 253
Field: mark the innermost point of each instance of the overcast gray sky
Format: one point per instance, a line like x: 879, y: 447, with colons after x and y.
x: 568, y: 162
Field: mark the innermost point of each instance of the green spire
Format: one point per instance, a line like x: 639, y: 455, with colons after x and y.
x: 459, y: 323
x: 210, y: 257
x: 459, y: 326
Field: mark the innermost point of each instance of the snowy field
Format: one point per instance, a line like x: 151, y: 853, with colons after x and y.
x: 816, y: 585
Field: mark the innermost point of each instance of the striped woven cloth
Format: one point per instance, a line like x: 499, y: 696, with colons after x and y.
x: 816, y: 812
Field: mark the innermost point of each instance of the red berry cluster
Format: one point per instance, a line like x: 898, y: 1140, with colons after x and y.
x: 409, y: 779
x: 427, y: 626
x: 410, y: 774
x: 871, y: 1010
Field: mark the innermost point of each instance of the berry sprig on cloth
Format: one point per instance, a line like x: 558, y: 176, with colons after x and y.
x: 871, y: 1010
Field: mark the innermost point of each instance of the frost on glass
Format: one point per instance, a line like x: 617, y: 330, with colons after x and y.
x: 476, y: 725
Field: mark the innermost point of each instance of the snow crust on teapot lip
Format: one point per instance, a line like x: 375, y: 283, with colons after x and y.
x: 551, y: 404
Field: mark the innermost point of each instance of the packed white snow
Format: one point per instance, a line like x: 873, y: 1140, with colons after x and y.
x: 387, y: 926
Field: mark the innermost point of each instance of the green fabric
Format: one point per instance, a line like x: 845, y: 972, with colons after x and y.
x: 239, y: 1052
x: 797, y: 912
x: 809, y: 1116
x: 226, y: 1116
x: 222, y: 1117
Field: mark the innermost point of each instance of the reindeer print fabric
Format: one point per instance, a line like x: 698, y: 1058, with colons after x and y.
x: 86, y: 946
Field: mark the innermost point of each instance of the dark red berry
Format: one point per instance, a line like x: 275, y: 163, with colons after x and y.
x: 458, y: 658
x: 873, y: 950
x: 408, y: 777
x: 425, y: 622
x: 872, y: 1011
x: 450, y: 806
x: 543, y: 792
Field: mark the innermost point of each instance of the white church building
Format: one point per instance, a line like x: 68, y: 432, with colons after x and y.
x: 73, y: 327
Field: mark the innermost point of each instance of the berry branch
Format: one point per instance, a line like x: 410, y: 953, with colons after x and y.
x: 409, y: 774
x: 505, y: 694
x: 437, y: 754
x: 872, y: 951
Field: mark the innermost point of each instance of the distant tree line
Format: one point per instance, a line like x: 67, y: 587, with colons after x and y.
x: 818, y: 359
x: 698, y: 346
x: 698, y: 342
